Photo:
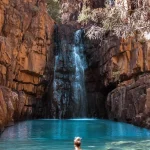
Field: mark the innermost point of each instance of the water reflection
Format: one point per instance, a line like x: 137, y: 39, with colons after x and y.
x: 59, y: 134
x: 20, y: 131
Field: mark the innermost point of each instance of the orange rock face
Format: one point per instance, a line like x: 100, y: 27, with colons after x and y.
x: 124, y: 61
x: 119, y: 60
x: 25, y: 51
x: 118, y: 80
x: 130, y: 100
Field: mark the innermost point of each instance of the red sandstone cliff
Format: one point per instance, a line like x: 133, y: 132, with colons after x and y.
x: 119, y: 77
x: 130, y: 100
x: 26, y: 57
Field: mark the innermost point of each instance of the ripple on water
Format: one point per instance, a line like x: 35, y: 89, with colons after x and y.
x: 47, y: 134
x: 128, y: 145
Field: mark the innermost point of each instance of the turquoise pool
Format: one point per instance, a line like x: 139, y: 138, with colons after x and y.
x: 96, y: 134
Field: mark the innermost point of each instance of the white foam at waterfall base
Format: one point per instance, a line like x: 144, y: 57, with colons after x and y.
x: 83, y: 119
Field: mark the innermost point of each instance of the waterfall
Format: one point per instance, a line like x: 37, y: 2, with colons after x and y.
x: 69, y: 94
x: 79, y: 82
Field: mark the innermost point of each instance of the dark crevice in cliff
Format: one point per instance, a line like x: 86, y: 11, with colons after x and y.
x: 17, y: 81
x: 108, y: 89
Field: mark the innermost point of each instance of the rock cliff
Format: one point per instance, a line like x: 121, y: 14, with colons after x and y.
x: 130, y: 69
x: 26, y: 58
x: 118, y: 71
x: 117, y: 76
x: 118, y: 80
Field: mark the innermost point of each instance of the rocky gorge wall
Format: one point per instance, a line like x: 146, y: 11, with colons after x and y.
x: 117, y: 71
x: 26, y: 58
x: 130, y: 100
x: 117, y: 77
x: 118, y: 80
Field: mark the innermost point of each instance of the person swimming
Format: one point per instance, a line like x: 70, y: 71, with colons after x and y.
x: 77, y: 143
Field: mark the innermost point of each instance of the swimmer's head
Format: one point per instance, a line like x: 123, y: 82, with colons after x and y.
x: 77, y: 141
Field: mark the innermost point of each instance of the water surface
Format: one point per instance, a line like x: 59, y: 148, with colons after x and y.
x: 59, y: 135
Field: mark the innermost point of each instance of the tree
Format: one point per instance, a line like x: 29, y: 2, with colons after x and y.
x: 121, y: 19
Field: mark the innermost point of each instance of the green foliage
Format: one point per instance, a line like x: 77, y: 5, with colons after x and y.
x: 53, y: 8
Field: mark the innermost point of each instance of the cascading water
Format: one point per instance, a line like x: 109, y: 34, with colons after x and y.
x: 69, y: 100
x: 79, y: 83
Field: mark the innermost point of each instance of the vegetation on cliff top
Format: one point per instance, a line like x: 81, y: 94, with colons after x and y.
x: 53, y: 8
x: 123, y: 19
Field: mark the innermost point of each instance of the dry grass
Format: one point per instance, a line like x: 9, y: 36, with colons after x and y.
x: 122, y: 21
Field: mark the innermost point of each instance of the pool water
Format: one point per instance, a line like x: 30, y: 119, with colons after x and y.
x: 59, y: 135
